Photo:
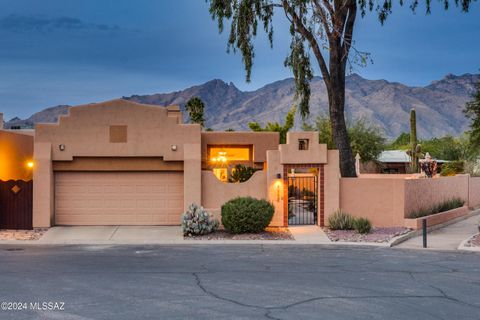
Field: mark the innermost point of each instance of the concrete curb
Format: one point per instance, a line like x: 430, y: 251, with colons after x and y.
x: 463, y: 246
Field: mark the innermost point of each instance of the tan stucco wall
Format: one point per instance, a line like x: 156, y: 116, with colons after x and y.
x: 215, y: 192
x: 474, y: 192
x: 16, y: 149
x: 261, y: 141
x: 43, y: 186
x: 379, y: 200
x: 118, y: 164
x: 289, y: 153
x: 332, y: 183
x: 275, y: 187
x: 424, y: 193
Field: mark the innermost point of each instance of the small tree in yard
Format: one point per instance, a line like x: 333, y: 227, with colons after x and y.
x: 324, y: 27
x: 472, y: 111
x: 195, y: 108
x: 277, y: 127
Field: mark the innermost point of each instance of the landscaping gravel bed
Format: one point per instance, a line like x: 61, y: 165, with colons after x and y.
x: 269, y: 234
x: 376, y: 234
x: 34, y: 234
x: 474, y: 241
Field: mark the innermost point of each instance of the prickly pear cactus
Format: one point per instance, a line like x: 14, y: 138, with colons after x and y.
x: 197, y: 221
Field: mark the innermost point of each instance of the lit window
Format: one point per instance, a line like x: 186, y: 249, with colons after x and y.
x: 223, y: 154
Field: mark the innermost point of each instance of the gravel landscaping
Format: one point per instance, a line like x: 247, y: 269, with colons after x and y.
x: 474, y: 241
x: 377, y: 235
x: 34, y: 234
x: 268, y: 234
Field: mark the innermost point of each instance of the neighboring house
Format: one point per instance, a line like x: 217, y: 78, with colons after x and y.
x: 124, y: 163
x: 393, y: 162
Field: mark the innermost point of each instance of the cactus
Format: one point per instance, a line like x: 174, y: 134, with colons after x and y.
x: 197, y: 221
x: 415, y: 151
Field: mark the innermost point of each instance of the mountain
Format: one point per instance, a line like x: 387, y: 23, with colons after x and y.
x: 387, y: 104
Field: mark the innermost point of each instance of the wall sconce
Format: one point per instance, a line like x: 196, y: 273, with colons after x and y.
x: 61, y: 147
x: 173, y: 147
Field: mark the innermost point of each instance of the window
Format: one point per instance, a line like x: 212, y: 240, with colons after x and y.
x: 223, y: 154
x: 302, y: 144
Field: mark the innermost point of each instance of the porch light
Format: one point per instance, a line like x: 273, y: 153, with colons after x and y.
x: 30, y: 164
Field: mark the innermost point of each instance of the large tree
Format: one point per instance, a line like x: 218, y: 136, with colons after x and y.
x: 472, y: 111
x: 324, y: 27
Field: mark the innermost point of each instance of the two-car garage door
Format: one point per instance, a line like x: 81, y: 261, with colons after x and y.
x: 118, y: 198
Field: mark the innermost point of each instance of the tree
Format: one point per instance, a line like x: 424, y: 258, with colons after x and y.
x: 277, y: 127
x: 195, y: 108
x: 472, y: 111
x: 365, y: 138
x: 324, y: 27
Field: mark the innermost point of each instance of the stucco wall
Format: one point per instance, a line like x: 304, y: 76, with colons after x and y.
x: 379, y: 200
x: 474, y: 192
x: 290, y: 153
x: 215, y: 192
x: 16, y: 149
x: 332, y: 183
x: 424, y: 193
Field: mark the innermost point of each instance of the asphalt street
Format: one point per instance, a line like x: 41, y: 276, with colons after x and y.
x: 237, y: 282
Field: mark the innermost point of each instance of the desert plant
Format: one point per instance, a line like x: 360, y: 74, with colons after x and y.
x: 197, y: 221
x: 340, y: 220
x: 363, y: 225
x: 452, y: 168
x: 246, y: 214
x: 415, y: 151
x: 241, y: 173
x: 472, y: 168
x: 440, y: 207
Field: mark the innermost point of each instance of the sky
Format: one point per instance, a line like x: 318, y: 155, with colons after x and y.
x: 80, y: 51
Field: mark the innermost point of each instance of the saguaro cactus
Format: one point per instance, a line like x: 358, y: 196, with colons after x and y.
x: 415, y: 148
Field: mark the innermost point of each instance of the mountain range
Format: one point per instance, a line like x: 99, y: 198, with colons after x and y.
x: 386, y: 104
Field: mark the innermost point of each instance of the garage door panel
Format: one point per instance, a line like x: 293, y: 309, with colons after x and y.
x: 111, y: 198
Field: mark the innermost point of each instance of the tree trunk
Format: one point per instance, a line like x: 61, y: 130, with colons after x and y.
x: 336, y: 104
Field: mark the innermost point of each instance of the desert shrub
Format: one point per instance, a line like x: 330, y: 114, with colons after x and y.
x: 452, y: 168
x: 363, y: 225
x: 472, y: 168
x: 340, y: 220
x: 197, y: 221
x: 246, y: 214
x: 241, y: 173
x: 441, y: 207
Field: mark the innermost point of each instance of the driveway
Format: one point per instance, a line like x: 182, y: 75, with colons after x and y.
x: 240, y: 282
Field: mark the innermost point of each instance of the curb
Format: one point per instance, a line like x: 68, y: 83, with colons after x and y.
x: 463, y: 246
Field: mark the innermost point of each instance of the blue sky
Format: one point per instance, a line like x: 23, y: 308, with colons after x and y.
x: 71, y: 52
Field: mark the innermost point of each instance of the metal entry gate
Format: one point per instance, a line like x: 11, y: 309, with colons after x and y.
x: 302, y: 200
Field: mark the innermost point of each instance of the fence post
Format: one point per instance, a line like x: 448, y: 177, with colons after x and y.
x: 424, y: 229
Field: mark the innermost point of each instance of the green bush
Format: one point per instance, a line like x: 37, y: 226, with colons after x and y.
x: 340, y: 220
x: 242, y: 173
x: 452, y: 168
x: 441, y: 207
x: 246, y: 214
x: 363, y: 225
x: 197, y: 221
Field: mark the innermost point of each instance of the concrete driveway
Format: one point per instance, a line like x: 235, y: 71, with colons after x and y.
x: 240, y: 282
x: 112, y: 235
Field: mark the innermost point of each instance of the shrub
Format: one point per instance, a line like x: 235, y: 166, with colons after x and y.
x: 441, y: 207
x: 340, y: 220
x: 197, y: 221
x: 363, y: 225
x: 452, y: 168
x: 241, y: 173
x: 246, y: 214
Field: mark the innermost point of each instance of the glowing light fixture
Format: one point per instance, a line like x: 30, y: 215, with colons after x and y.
x: 30, y: 164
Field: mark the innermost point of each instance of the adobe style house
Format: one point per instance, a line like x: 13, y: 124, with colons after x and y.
x: 124, y: 163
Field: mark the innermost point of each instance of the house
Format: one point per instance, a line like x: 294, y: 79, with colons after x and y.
x: 124, y: 163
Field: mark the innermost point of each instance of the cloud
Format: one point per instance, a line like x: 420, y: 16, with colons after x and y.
x: 18, y: 23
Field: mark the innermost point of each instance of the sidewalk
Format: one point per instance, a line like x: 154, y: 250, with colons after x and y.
x: 446, y: 238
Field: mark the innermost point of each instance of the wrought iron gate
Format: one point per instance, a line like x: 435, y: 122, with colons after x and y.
x: 302, y: 200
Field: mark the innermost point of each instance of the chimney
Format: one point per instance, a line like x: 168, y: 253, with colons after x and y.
x: 1, y: 121
x: 174, y: 112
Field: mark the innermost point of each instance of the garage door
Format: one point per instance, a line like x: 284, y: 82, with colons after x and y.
x: 118, y: 198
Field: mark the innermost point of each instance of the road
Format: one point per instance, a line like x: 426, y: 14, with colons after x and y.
x: 238, y: 282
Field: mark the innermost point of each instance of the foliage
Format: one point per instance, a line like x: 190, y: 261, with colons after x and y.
x: 452, y: 168
x: 241, y: 173
x: 400, y: 143
x: 246, y: 214
x: 229, y: 130
x: 415, y: 149
x: 441, y: 207
x: 195, y: 108
x: 472, y: 111
x: 362, y: 225
x: 472, y: 168
x: 340, y: 220
x: 197, y: 221
x: 277, y: 127
x: 365, y: 138
x: 324, y: 28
